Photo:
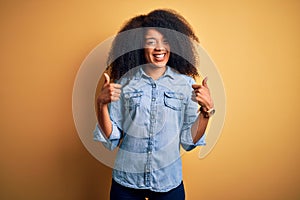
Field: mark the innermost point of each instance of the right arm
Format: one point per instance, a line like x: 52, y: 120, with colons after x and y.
x: 110, y: 92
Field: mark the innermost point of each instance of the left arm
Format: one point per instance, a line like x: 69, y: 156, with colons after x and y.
x: 201, y: 94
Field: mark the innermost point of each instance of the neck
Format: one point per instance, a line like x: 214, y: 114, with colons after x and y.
x: 153, y: 71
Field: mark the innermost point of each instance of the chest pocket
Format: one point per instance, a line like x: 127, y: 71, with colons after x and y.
x: 174, y: 100
x: 133, y: 99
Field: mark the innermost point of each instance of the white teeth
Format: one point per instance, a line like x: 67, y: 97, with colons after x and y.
x: 159, y: 55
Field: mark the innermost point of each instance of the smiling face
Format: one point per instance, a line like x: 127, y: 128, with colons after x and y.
x: 157, y: 48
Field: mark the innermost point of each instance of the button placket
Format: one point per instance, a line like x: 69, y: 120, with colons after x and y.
x: 153, y: 110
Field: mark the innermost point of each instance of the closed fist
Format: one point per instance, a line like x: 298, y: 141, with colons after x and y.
x: 110, y: 91
x: 201, y: 94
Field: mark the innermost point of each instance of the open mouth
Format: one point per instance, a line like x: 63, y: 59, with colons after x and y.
x: 159, y: 57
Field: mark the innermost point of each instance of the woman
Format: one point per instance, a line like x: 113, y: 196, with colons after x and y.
x: 153, y: 107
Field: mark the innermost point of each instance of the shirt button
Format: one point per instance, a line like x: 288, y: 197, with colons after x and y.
x: 153, y: 99
x: 154, y: 85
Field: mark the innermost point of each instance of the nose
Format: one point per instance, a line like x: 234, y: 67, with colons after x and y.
x: 159, y: 46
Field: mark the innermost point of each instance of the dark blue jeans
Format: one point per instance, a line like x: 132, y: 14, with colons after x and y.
x: 119, y: 192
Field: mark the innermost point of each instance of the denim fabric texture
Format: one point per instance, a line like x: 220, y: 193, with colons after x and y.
x: 152, y: 119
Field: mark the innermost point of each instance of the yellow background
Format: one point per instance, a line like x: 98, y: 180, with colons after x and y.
x: 255, y: 45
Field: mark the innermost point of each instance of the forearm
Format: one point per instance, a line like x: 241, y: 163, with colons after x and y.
x: 201, y: 94
x: 199, y: 127
x: 104, y: 119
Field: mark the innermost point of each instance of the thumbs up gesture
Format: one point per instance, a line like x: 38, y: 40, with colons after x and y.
x: 110, y: 91
x: 201, y: 94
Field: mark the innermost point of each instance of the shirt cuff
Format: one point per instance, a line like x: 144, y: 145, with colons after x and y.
x: 111, y: 142
x: 188, y: 144
x: 201, y: 141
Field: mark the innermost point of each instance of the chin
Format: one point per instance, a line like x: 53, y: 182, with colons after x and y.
x: 159, y: 65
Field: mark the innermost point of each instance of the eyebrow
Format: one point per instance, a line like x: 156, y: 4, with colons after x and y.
x: 150, y: 38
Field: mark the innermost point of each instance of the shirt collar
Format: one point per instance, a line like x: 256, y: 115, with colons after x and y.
x: 170, y: 72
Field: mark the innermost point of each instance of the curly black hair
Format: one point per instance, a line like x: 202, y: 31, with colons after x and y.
x: 127, y: 49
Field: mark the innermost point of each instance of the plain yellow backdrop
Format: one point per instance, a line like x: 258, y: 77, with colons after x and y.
x: 255, y: 45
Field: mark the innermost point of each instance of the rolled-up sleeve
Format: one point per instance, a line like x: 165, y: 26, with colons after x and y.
x: 116, y: 118
x: 186, y: 138
x: 110, y: 143
x: 188, y: 144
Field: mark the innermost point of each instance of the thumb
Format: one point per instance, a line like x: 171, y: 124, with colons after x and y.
x: 204, y: 82
x: 107, y: 78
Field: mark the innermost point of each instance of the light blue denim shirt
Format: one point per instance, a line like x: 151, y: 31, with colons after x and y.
x: 150, y: 122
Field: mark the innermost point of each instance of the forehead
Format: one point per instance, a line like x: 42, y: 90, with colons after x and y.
x: 153, y: 33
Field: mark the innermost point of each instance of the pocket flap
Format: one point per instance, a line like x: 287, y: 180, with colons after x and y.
x: 175, y: 95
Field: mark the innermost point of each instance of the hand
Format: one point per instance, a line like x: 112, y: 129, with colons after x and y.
x: 110, y: 91
x: 201, y: 94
